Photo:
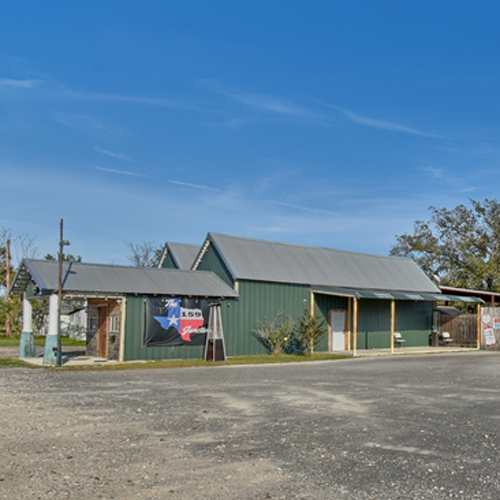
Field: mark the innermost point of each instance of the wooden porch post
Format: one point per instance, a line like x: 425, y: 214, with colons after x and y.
x: 349, y: 324
x: 478, y: 341
x: 393, y: 322
x: 355, y: 327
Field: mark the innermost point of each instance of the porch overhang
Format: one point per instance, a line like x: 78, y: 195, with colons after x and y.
x: 391, y: 295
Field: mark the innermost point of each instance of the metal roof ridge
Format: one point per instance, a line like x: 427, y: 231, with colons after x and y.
x: 309, y: 247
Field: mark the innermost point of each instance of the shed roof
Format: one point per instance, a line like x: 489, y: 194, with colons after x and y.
x: 100, y: 279
x: 183, y: 254
x: 257, y: 260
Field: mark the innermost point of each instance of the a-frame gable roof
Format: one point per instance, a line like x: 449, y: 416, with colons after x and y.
x: 182, y: 254
x: 257, y: 260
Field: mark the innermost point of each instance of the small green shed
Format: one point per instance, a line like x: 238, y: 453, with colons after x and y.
x: 132, y: 313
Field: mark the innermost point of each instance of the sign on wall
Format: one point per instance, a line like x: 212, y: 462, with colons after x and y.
x: 181, y: 321
x: 489, y: 336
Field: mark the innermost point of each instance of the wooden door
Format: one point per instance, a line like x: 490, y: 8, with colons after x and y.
x: 102, y: 332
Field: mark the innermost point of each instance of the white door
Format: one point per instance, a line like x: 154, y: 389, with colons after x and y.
x: 337, y: 327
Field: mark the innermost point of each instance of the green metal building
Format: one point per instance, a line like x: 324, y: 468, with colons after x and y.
x: 117, y: 299
x: 363, y: 298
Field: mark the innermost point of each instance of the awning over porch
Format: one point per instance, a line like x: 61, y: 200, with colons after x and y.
x: 382, y: 294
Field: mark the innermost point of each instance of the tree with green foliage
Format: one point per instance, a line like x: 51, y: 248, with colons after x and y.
x: 311, y: 329
x: 458, y: 247
x: 11, y: 306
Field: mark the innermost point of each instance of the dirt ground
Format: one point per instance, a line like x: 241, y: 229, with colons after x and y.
x: 381, y: 428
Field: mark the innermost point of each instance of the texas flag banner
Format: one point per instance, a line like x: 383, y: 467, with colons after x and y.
x: 179, y: 321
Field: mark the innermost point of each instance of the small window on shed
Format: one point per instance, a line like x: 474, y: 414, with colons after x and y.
x: 114, y: 324
x: 92, y: 323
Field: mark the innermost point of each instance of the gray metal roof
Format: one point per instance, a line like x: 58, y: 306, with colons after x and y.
x: 183, y: 254
x: 384, y: 294
x: 99, y: 279
x: 249, y: 259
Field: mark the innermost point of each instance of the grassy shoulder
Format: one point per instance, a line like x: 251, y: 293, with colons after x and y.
x: 179, y: 363
x: 40, y: 341
x: 193, y: 363
x: 15, y: 363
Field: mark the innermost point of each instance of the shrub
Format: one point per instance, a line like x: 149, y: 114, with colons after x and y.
x: 276, y: 333
x: 311, y: 329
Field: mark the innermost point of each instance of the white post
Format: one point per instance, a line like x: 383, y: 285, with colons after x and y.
x: 27, y: 316
x: 52, y: 353
x: 27, y: 340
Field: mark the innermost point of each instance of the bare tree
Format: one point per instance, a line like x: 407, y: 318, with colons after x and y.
x: 144, y: 254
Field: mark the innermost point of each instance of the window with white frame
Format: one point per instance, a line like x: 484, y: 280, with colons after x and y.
x: 114, y: 324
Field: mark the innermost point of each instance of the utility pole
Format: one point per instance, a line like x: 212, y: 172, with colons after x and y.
x: 8, y: 320
x: 62, y: 244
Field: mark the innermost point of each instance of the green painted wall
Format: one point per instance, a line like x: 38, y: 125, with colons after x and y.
x: 212, y: 262
x: 413, y: 321
x: 134, y: 335
x: 258, y: 300
x: 168, y: 262
x: 323, y: 304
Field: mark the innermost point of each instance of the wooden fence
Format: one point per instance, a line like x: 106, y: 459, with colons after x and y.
x: 463, y: 330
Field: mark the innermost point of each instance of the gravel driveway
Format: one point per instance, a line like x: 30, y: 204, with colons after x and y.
x: 401, y: 427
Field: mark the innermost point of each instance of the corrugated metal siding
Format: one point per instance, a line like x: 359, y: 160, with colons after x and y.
x: 258, y: 300
x: 323, y: 304
x: 134, y: 335
x: 212, y: 262
x: 413, y: 321
x: 168, y: 262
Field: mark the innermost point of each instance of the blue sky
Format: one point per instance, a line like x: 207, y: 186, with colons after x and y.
x: 324, y: 123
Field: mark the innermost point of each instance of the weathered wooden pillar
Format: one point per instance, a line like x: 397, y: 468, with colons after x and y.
x: 393, y: 323
x: 52, y: 353
x: 478, y: 327
x: 355, y: 326
x: 27, y: 341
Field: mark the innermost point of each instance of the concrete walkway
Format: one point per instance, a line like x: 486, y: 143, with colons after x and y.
x: 71, y: 356
x: 400, y: 351
x: 76, y: 358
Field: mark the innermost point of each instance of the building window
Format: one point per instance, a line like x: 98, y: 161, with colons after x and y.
x: 92, y: 323
x: 113, y: 324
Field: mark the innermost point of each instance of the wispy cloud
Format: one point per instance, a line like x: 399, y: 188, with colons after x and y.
x: 264, y: 103
x: 435, y: 173
x: 118, y: 156
x: 51, y: 89
x: 20, y: 84
x: 303, y: 208
x: 385, y: 125
x: 120, y: 172
x: 88, y: 122
x: 195, y: 186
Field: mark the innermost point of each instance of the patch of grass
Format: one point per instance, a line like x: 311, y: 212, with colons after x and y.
x: 40, y: 341
x: 15, y: 363
x: 192, y: 363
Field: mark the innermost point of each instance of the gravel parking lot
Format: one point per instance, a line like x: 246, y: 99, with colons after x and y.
x: 383, y: 428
